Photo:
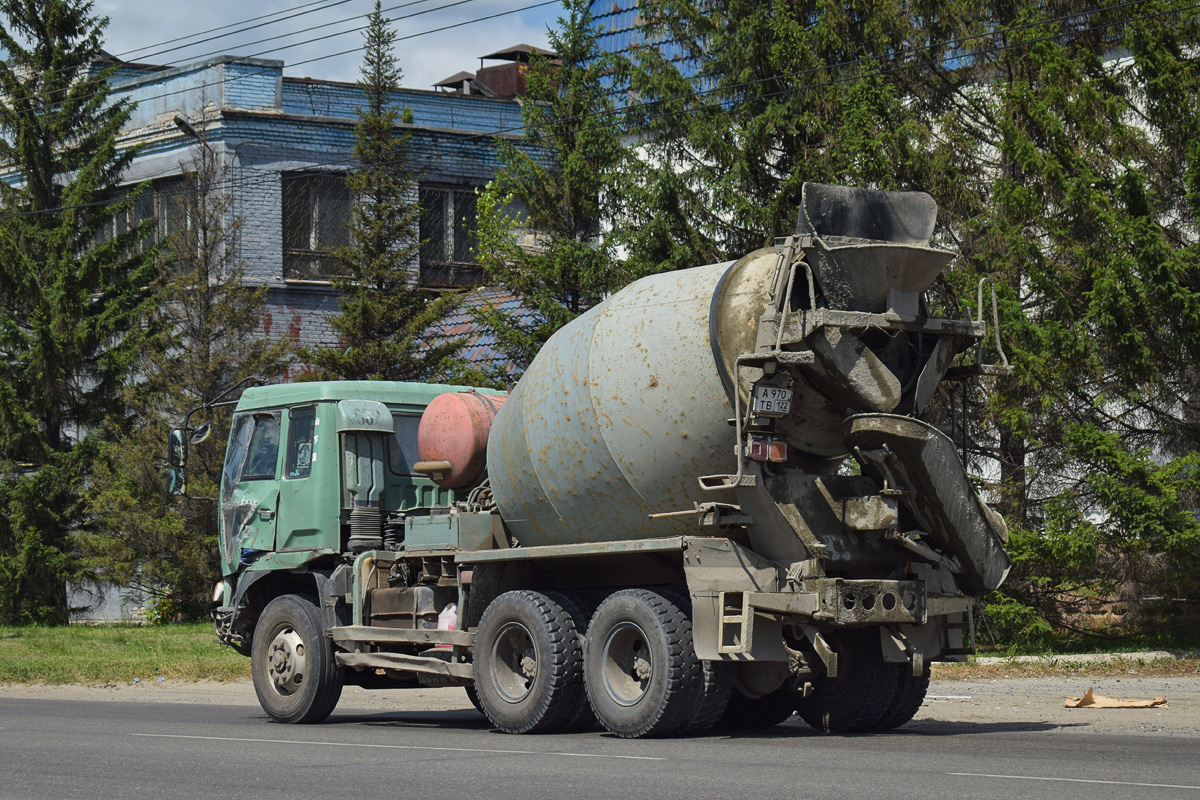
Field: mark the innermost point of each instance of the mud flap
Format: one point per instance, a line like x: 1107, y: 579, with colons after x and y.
x: 920, y: 460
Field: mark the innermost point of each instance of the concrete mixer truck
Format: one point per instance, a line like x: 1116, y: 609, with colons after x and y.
x: 710, y: 500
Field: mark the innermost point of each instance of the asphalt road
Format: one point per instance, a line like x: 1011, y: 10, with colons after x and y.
x: 66, y: 748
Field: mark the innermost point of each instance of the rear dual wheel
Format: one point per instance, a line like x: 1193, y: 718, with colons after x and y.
x: 861, y: 693
x: 752, y: 713
x: 907, y: 698
x: 528, y: 663
x: 641, y: 671
x: 635, y: 669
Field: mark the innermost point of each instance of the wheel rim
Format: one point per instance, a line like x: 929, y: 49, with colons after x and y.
x: 627, y: 665
x: 514, y: 662
x: 286, y: 661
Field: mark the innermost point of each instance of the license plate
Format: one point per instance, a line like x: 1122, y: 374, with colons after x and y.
x: 772, y: 401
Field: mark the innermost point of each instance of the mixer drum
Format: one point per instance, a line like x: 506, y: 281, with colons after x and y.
x: 617, y: 416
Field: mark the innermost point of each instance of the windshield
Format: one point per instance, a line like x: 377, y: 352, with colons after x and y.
x: 239, y: 443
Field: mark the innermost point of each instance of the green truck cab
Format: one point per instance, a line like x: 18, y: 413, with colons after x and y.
x: 315, y: 475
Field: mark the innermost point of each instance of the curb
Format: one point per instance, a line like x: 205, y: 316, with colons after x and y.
x: 1084, y: 658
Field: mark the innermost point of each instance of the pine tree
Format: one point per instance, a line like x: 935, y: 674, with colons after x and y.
x: 209, y: 341
x: 385, y: 313
x: 562, y: 183
x: 73, y: 301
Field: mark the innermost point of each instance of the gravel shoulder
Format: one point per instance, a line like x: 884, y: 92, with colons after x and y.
x: 1015, y: 703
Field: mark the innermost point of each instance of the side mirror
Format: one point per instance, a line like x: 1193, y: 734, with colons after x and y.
x: 176, y: 460
x: 176, y: 449
x: 200, y: 433
x: 176, y: 481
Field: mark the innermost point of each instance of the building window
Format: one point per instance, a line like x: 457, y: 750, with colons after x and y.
x: 316, y: 217
x: 174, y: 203
x: 142, y: 209
x: 448, y: 236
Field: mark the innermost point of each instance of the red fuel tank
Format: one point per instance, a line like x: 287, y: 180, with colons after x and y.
x: 455, y: 428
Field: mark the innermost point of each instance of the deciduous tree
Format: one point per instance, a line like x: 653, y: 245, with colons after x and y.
x: 209, y: 341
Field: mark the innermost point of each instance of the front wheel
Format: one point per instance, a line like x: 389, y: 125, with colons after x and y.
x: 295, y: 676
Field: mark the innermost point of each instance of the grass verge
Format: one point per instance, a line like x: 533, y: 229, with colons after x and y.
x: 190, y: 652
x: 117, y: 654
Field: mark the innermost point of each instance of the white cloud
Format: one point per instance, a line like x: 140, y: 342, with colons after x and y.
x: 137, y: 27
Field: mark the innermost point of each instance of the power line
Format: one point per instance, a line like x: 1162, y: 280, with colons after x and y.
x: 335, y: 34
x: 271, y: 174
x: 320, y: 5
x: 225, y: 81
x: 295, y: 33
x: 292, y: 13
x: 323, y: 4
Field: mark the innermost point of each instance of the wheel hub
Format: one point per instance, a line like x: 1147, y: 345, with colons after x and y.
x: 627, y: 665
x: 286, y: 661
x: 514, y: 663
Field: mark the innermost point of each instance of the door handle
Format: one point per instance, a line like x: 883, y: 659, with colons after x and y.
x: 266, y: 514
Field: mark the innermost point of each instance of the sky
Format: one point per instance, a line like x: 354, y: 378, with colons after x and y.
x: 144, y: 30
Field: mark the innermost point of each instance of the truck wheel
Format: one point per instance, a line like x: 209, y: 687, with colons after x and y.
x: 473, y: 696
x: 641, y: 671
x: 907, y: 700
x: 528, y: 663
x: 295, y: 676
x: 858, y: 697
x: 718, y: 677
x: 751, y: 713
x: 580, y: 717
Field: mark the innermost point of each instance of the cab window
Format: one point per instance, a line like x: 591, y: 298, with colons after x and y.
x: 263, y: 452
x: 301, y: 425
x: 235, y: 456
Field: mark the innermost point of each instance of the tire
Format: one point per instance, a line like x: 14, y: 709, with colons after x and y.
x: 713, y: 699
x: 718, y: 681
x: 580, y: 717
x: 473, y: 696
x: 862, y: 692
x: 295, y: 676
x: 907, y: 699
x: 641, y: 672
x: 528, y: 663
x: 744, y: 713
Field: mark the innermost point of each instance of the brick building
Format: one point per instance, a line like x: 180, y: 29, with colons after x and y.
x: 285, y: 145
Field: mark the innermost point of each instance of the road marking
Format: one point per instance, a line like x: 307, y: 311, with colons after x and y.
x: 1072, y: 780
x: 402, y: 747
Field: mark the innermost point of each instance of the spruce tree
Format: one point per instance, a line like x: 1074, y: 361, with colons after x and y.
x: 208, y: 341
x: 745, y: 101
x: 562, y: 184
x: 385, y: 312
x: 74, y: 301
x: 1060, y: 141
x: 1086, y: 140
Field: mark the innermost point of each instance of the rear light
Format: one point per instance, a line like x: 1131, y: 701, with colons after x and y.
x: 766, y: 448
